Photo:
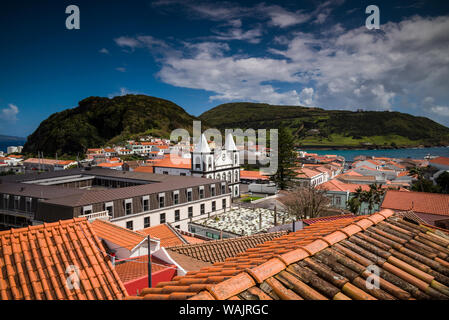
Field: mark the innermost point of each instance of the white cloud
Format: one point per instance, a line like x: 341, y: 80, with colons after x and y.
x: 237, y: 33
x: 121, y: 69
x: 428, y: 103
x: 104, y: 50
x: 281, y: 17
x: 122, y: 92
x: 368, y: 69
x: 306, y: 97
x: 10, y: 113
x: 129, y: 42
x: 391, y: 69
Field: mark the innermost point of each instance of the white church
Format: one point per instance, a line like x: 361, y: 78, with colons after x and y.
x: 220, y: 163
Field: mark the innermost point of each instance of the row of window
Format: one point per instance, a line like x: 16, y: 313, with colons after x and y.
x: 16, y: 203
x: 163, y: 218
x: 128, y: 206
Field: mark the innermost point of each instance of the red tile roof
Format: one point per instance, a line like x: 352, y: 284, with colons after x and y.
x: 148, y: 169
x: 34, y: 261
x: 109, y: 165
x: 334, y: 264
x: 307, y: 173
x: 120, y: 236
x: 193, y: 240
x: 168, y: 236
x: 174, y: 162
x: 252, y: 257
x: 65, y: 162
x: 253, y: 175
x: 41, y: 161
x: 336, y: 185
x: 441, y: 160
x: 423, y: 202
x: 328, y: 218
x: 135, y: 268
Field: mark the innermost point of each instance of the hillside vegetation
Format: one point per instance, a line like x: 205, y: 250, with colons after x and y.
x: 98, y: 121
x: 315, y: 127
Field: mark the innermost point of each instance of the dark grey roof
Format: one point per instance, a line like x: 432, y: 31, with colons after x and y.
x: 75, y: 197
x: 37, y: 191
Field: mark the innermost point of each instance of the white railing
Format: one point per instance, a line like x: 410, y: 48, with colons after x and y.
x: 104, y: 215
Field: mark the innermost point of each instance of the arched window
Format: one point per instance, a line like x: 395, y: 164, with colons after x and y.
x: 229, y: 176
x: 209, y: 166
x: 197, y: 163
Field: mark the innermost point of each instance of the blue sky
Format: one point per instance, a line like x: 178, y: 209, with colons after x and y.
x: 199, y: 54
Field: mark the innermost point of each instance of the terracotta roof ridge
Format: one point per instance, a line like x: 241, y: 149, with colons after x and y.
x: 256, y: 275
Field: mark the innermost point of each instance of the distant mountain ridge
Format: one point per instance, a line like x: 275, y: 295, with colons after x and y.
x: 316, y: 127
x: 99, y: 121
x: 4, y: 138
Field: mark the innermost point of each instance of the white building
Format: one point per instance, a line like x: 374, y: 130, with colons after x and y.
x: 14, y: 149
x: 222, y: 164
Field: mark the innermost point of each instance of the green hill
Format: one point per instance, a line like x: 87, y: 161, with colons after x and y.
x: 315, y: 127
x: 98, y: 121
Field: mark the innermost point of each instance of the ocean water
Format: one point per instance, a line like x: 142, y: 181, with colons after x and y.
x: 413, y: 153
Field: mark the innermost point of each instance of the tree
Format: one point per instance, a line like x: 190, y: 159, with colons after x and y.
x: 355, y: 202
x: 305, y: 202
x: 372, y: 197
x: 286, y: 158
x: 443, y: 182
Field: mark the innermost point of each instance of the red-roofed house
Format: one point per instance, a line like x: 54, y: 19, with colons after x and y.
x: 247, y: 176
x: 134, y: 272
x: 430, y: 207
x: 309, y: 177
x: 173, y: 165
x: 64, y: 164
x: 441, y: 163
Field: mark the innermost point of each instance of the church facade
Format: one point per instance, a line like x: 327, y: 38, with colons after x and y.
x: 222, y: 164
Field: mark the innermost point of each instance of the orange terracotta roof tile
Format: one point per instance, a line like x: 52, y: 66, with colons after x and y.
x: 34, y: 261
x: 174, y: 162
x: 430, y: 203
x: 148, y: 169
x: 120, y: 236
x: 253, y: 175
x: 167, y: 235
x: 193, y: 240
x: 329, y: 260
x: 136, y: 268
x: 328, y: 218
x: 440, y: 160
